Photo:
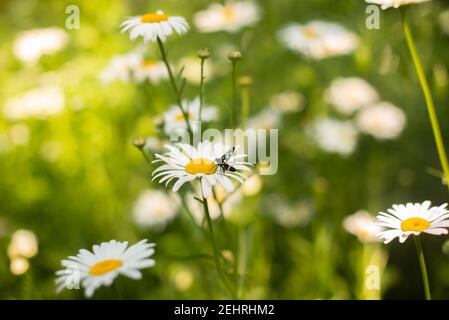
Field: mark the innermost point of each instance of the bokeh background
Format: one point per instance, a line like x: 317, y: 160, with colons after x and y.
x: 72, y: 175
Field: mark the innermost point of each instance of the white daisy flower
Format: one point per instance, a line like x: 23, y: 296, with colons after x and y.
x: 23, y: 244
x: 335, y: 136
x: 174, y: 118
x: 287, y: 101
x: 412, y: 219
x: 383, y: 120
x: 231, y: 16
x: 152, y: 26
x: 152, y: 70
x: 385, y: 4
x: 348, y: 95
x: 318, y: 39
x: 104, y: 264
x: 30, y: 45
x: 41, y: 102
x: 189, y: 163
x: 363, y: 225
x: 155, y: 209
x: 133, y: 66
x: 121, y: 67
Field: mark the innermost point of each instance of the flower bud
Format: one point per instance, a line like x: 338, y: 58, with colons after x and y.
x: 235, y: 56
x: 203, y: 53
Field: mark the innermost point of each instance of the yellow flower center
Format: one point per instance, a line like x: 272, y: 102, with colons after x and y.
x: 228, y: 14
x: 414, y: 224
x: 105, y: 266
x: 310, y: 32
x: 201, y: 165
x: 148, y: 64
x: 153, y: 17
x: 180, y: 117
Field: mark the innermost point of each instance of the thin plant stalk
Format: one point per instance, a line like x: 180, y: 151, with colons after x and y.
x: 422, y: 264
x: 427, y: 94
x: 215, y: 247
x: 234, y: 93
x: 245, y: 94
x: 174, y: 85
x: 201, y: 88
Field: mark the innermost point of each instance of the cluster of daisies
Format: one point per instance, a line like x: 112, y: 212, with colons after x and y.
x: 180, y: 164
x: 355, y: 97
x: 187, y: 164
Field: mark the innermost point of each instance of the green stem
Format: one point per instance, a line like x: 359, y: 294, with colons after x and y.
x: 201, y: 89
x: 234, y: 93
x: 245, y: 104
x: 174, y: 85
x: 422, y: 264
x: 427, y: 94
x: 215, y: 247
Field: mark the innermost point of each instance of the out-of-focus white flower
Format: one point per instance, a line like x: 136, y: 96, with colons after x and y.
x: 385, y: 4
x: 443, y: 20
x: 287, y: 101
x: 252, y: 185
x: 155, y: 209
x: 192, y: 69
x: 154, y: 145
x: 350, y: 94
x: 286, y: 214
x: 363, y: 225
x: 151, y: 70
x: 121, y: 67
x: 174, y: 118
x: 335, y: 136
x: 23, y: 244
x: 42, y: 102
x: 133, y: 66
x: 152, y: 26
x: 30, y: 45
x: 382, y: 120
x: 182, y: 278
x: 19, y: 266
x: 318, y: 39
x: 105, y: 263
x: 265, y: 119
x: 231, y: 16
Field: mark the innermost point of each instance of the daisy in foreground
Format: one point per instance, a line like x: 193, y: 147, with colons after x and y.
x: 152, y: 26
x: 188, y: 163
x: 412, y: 219
x: 402, y: 221
x: 104, y: 264
x: 385, y: 4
